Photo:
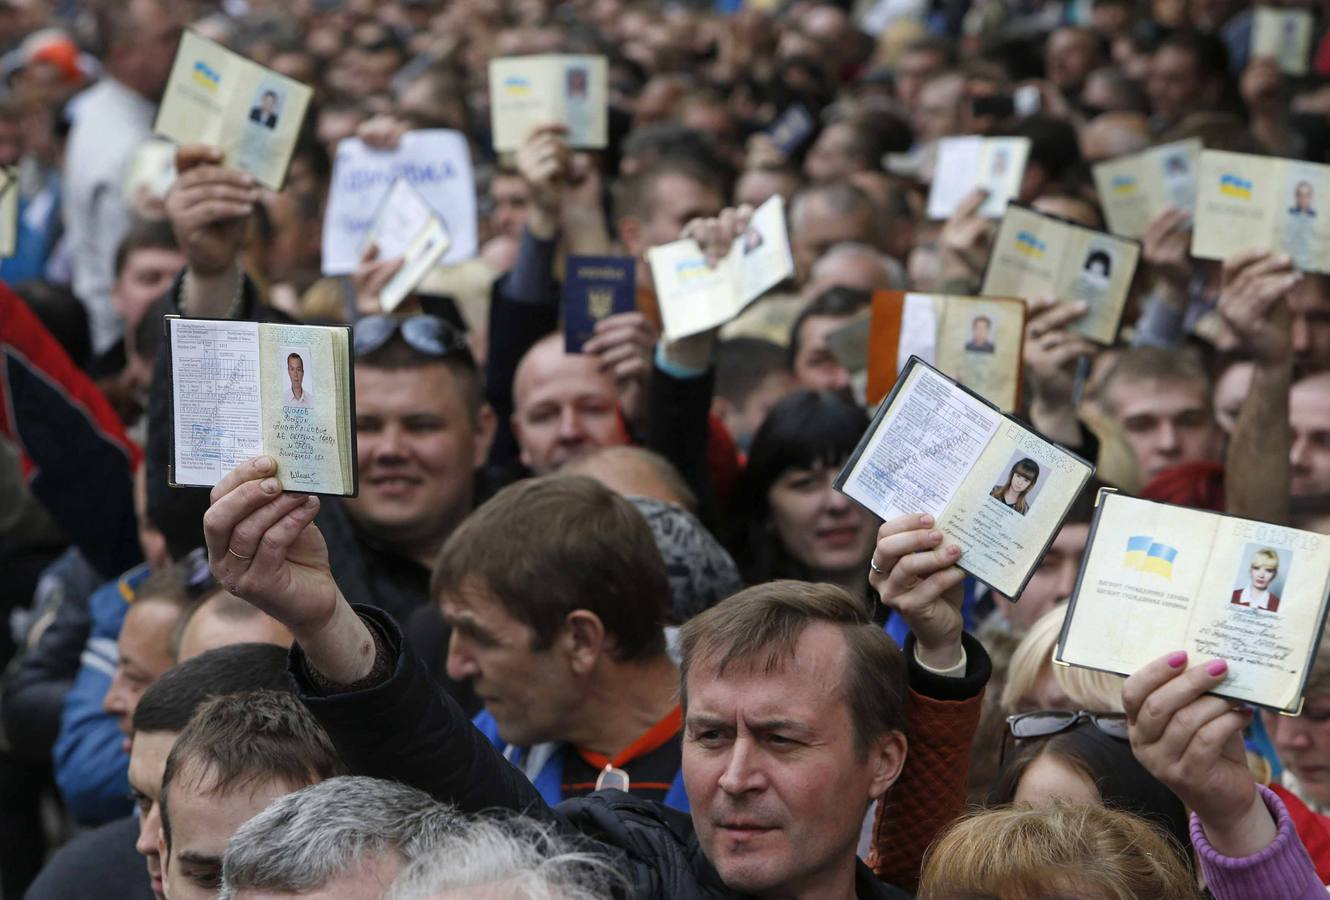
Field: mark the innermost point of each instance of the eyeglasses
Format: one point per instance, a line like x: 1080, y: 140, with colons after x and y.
x: 428, y: 334
x: 1048, y: 722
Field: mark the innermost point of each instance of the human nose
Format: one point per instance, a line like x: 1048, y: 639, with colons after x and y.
x: 1067, y: 578
x: 461, y: 664
x: 1291, y: 735
x: 570, y: 426
x: 116, y: 702
x: 1166, y: 437
x: 150, y: 826
x: 1299, y: 451
x: 389, y: 444
x: 742, y: 773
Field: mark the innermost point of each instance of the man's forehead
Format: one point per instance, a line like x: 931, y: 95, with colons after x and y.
x: 429, y: 388
x: 147, y: 758
x: 816, y: 664
x: 548, y: 369
x: 1309, y: 402
x: 1142, y: 395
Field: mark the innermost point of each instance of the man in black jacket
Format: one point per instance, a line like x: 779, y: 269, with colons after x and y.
x: 790, y: 732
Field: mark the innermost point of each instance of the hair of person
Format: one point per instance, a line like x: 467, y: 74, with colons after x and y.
x: 1027, y: 467
x: 1022, y: 853
x: 874, y: 133
x: 1123, y: 783
x: 240, y: 741
x: 1086, y: 688
x: 156, y: 234
x: 841, y: 196
x: 743, y: 364
x: 304, y: 840
x: 295, y: 356
x: 930, y: 44
x: 837, y: 300
x: 804, y: 430
x: 626, y: 458
x: 1216, y: 130
x: 1053, y: 144
x: 60, y: 313
x: 171, y: 701
x: 515, y: 857
x: 396, y: 355
x: 635, y: 196
x: 1073, y: 189
x: 227, y: 607
x: 1207, y: 51
x: 985, y: 319
x: 547, y: 546
x: 1159, y: 364
x: 1099, y: 256
x: 760, y: 628
x: 1131, y: 98
x: 1267, y: 554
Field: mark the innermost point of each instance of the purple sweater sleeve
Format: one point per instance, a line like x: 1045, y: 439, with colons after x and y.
x: 1282, y: 870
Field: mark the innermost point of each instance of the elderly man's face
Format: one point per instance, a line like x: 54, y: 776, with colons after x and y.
x: 777, y: 785
x: 563, y: 407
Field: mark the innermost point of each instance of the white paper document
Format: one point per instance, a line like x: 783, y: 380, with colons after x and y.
x: 407, y: 229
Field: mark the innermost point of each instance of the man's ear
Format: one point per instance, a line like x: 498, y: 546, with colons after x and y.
x: 162, y: 854
x: 888, y: 758
x: 584, y: 640
x: 486, y: 423
x: 630, y: 235
x: 515, y: 423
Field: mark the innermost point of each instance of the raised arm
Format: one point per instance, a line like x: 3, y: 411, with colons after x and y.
x: 1192, y: 742
x: 1253, y: 302
x: 353, y: 670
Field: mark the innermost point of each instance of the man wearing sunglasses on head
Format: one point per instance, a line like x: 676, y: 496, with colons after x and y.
x: 423, y: 428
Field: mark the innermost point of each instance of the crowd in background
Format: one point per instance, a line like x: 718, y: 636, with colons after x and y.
x: 545, y: 543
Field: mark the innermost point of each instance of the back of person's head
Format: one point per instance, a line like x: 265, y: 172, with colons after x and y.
x: 545, y: 547
x: 874, y: 133
x: 1053, y: 144
x: 1108, y: 763
x: 837, y: 301
x: 701, y: 571
x: 632, y: 471
x: 220, y: 619
x: 1032, y: 661
x: 759, y: 629
x: 240, y: 668
x: 805, y: 430
x: 841, y: 198
x: 1062, y: 851
x: 61, y: 313
x: 243, y: 741
x: 637, y: 196
x: 510, y: 857
x: 1207, y: 50
x: 312, y: 839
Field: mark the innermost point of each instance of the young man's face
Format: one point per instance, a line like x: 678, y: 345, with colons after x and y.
x: 147, y: 762
x: 1054, y: 579
x: 980, y: 331
x: 777, y: 786
x: 202, y: 821
x: 269, y: 103
x: 1165, y: 423
x: 145, y: 276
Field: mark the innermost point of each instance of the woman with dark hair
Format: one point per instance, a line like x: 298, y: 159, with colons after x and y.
x: 1088, y: 761
x: 1022, y: 477
x: 789, y: 520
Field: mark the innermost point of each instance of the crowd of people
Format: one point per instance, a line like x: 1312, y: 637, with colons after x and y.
x: 599, y: 624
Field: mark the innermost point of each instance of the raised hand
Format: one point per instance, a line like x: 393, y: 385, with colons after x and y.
x: 542, y: 161
x: 370, y: 277
x: 623, y: 345
x: 209, y: 205
x: 716, y: 235
x: 263, y: 546
x: 1192, y: 742
x: 966, y: 238
x: 915, y: 574
x: 1253, y: 303
x: 1166, y: 247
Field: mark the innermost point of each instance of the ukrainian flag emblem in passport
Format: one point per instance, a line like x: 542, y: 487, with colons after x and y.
x: 1145, y: 554
x: 1235, y: 186
x: 1030, y: 245
x: 595, y: 287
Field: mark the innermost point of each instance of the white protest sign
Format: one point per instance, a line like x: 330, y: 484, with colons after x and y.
x: 436, y: 163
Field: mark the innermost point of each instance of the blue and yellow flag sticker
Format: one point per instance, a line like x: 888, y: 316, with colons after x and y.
x: 1145, y: 554
x: 1122, y: 184
x: 1029, y: 244
x: 205, y: 76
x: 516, y: 86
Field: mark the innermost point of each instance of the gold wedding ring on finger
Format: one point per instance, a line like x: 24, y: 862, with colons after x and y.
x: 237, y: 555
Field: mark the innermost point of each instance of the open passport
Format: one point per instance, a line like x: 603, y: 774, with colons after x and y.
x: 244, y: 389
x: 1158, y: 578
x: 993, y: 486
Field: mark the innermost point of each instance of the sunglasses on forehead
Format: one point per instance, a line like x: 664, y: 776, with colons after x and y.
x: 1048, y: 722
x: 427, y: 334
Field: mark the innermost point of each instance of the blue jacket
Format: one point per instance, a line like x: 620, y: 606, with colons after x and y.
x: 548, y: 779
x: 91, y: 767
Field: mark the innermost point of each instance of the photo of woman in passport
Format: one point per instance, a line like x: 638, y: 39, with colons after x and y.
x: 1261, y: 575
x: 1022, y: 477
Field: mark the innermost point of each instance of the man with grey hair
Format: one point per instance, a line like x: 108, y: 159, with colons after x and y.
x: 824, y: 215
x: 855, y: 265
x: 513, y: 857
x: 347, y: 836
